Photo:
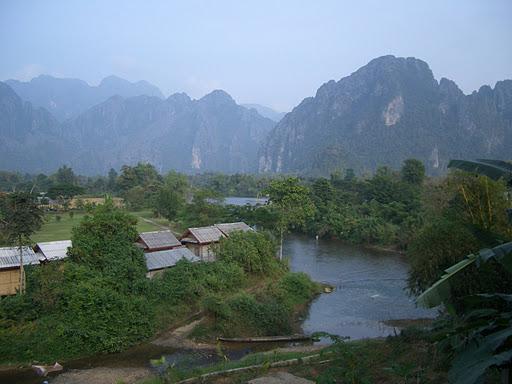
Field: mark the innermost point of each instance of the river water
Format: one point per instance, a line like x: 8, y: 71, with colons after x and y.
x: 369, y: 290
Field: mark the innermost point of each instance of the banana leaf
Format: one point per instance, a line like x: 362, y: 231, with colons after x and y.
x: 439, y: 292
x: 470, y: 366
x: 494, y: 169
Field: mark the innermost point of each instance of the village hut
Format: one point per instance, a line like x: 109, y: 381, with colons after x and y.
x: 10, y: 268
x: 158, y: 261
x: 157, y: 241
x: 201, y: 240
x: 52, y: 250
x: 228, y: 228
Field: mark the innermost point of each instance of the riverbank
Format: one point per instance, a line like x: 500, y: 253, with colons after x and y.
x: 412, y: 356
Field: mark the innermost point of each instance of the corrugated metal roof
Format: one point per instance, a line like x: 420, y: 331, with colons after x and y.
x: 227, y: 228
x: 168, y: 258
x: 204, y: 235
x: 53, y: 250
x: 159, y: 239
x: 10, y: 257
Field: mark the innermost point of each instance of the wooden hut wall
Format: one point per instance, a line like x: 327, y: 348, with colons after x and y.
x: 9, y: 281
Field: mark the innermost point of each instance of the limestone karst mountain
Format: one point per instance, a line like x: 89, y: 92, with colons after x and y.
x: 387, y: 111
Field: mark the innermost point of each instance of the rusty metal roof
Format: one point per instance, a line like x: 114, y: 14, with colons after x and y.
x: 53, y: 250
x: 168, y: 258
x: 227, y: 228
x: 203, y: 235
x: 159, y: 239
x: 10, y: 257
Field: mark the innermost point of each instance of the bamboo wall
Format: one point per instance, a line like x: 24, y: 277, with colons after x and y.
x: 9, y: 281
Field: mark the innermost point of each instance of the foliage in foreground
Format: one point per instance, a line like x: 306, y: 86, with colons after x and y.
x: 479, y: 331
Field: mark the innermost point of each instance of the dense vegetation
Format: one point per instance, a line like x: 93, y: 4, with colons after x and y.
x: 99, y: 300
x: 436, y: 222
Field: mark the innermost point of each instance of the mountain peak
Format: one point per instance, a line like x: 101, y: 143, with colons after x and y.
x: 218, y: 96
x: 113, y: 80
x: 180, y: 97
x: 387, y: 111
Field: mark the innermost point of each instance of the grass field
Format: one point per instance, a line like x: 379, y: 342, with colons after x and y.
x: 54, y: 229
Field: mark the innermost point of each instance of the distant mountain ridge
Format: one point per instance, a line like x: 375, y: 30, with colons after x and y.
x: 387, y: 111
x: 266, y: 111
x: 28, y: 135
x: 210, y: 134
x: 67, y: 98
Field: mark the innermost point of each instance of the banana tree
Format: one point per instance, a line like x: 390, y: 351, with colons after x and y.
x: 484, y: 331
x: 494, y: 169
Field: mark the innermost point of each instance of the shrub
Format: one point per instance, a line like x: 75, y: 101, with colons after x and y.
x: 253, y: 251
x: 296, y: 288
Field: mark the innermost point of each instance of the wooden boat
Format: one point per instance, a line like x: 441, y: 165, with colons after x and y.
x: 43, y: 370
x: 264, y: 339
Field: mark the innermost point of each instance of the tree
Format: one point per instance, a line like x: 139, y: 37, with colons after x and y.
x: 112, y: 180
x: 205, y: 209
x: 143, y: 174
x: 293, y: 204
x: 20, y: 218
x: 104, y: 242
x: 483, y: 334
x: 413, y: 172
x: 65, y: 175
x: 171, y: 196
x: 252, y: 251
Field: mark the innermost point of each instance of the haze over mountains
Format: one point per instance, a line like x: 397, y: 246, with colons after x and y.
x: 66, y: 98
x: 385, y: 112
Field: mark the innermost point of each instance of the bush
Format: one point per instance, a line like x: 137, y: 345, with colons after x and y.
x: 187, y: 282
x: 254, y: 252
x: 296, y: 288
x: 264, y: 317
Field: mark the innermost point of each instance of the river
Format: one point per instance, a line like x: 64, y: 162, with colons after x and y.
x: 370, y: 289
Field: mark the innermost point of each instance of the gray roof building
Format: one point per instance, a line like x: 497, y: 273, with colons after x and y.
x: 227, y: 228
x: 168, y: 258
x: 10, y: 257
x: 157, y: 240
x: 53, y: 250
x: 202, y: 235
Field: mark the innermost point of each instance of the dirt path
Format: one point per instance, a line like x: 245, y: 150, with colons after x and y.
x: 177, y: 338
x: 153, y: 223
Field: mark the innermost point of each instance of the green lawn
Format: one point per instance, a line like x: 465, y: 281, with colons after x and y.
x: 54, y: 229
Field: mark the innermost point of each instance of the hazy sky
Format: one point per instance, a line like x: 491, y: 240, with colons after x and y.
x: 268, y: 52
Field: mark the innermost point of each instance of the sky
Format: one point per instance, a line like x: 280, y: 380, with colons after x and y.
x: 274, y: 53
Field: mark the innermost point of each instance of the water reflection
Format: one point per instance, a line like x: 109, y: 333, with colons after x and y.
x: 370, y: 288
